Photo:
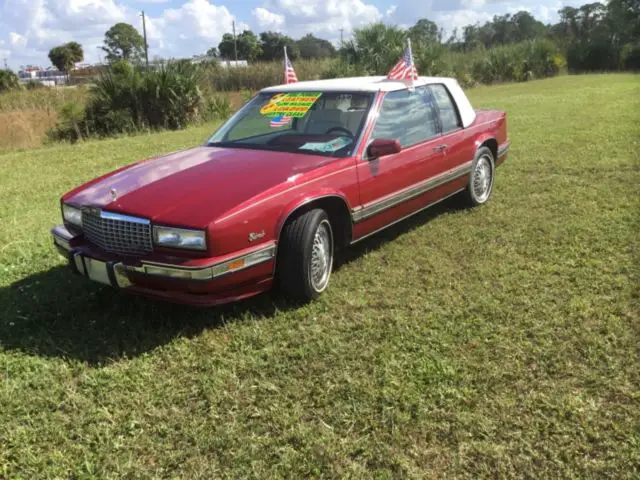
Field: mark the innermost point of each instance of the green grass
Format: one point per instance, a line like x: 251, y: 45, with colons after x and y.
x: 492, y: 342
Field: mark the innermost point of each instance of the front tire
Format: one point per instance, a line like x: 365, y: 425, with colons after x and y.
x: 481, y: 178
x: 305, y: 256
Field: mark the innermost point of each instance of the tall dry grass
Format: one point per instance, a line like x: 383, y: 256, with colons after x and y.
x: 27, y: 115
x: 26, y: 128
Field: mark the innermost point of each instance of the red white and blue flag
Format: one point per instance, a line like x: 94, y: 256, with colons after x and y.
x: 405, y: 69
x: 289, y: 73
x: 279, y: 121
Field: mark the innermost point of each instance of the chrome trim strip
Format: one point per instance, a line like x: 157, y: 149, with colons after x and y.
x: 407, y: 216
x: 363, y: 212
x: 206, y: 272
x: 504, y: 148
x: 124, y: 218
x: 61, y: 242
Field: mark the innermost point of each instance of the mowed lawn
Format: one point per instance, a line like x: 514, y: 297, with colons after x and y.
x: 501, y: 341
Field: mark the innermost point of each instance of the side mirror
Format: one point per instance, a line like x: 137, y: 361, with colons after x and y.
x: 382, y: 147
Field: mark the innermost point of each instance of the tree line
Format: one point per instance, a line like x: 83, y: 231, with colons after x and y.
x: 593, y: 37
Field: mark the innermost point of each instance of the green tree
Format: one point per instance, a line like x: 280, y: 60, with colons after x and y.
x: 423, y: 32
x: 248, y: 46
x: 8, y: 80
x: 123, y: 42
x: 63, y: 57
x: 376, y: 47
x: 273, y: 44
x: 310, y: 46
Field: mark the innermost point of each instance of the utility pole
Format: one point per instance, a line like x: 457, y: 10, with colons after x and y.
x: 341, y: 37
x: 6, y: 66
x: 144, y: 34
x: 235, y: 42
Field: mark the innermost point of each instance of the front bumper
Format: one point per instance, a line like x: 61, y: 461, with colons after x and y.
x: 203, y: 282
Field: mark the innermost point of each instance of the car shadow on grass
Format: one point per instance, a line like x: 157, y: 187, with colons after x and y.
x: 55, y: 313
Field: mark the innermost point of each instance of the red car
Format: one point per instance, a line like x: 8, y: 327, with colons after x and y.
x: 300, y: 170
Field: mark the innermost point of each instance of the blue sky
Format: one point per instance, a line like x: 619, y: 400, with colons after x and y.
x: 182, y: 28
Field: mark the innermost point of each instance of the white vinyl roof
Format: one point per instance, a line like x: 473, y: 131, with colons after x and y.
x: 380, y: 84
x: 355, y: 84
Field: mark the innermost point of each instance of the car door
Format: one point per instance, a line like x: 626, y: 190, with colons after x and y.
x: 456, y: 142
x: 390, y: 185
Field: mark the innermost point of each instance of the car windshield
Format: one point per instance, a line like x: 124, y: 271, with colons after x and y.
x: 325, y: 123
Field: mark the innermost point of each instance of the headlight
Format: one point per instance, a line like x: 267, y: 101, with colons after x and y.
x: 180, y: 238
x: 72, y: 215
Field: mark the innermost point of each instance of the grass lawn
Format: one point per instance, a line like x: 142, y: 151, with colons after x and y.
x: 500, y: 341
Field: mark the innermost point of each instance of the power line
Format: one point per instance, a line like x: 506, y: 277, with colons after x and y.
x: 144, y: 33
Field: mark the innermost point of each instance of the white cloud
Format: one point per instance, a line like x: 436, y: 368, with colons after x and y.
x: 460, y: 18
x: 191, y: 29
x: 267, y: 19
x: 323, y: 18
x: 391, y: 10
x: 16, y: 39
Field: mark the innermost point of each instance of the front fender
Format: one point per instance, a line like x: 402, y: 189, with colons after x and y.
x: 304, y: 201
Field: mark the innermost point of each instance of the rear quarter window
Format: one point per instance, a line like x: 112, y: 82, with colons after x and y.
x: 449, y: 116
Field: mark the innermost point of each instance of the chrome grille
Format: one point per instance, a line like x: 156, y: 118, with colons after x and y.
x: 117, y: 233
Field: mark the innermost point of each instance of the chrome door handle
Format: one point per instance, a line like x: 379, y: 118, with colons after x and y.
x: 440, y: 148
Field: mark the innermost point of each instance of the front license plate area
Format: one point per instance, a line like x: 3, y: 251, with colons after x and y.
x: 97, y: 271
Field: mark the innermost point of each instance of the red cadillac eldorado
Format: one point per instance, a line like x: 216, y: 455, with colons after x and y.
x: 301, y: 170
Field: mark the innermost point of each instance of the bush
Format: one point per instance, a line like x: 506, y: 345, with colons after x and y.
x: 630, y: 56
x: 34, y: 85
x: 341, y: 69
x: 256, y: 76
x: 599, y: 55
x: 218, y: 107
x: 126, y: 99
x: 9, y: 81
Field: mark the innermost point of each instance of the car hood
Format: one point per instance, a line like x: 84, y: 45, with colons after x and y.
x: 196, y: 186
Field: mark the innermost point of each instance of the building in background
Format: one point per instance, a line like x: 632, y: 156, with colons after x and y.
x: 50, y: 76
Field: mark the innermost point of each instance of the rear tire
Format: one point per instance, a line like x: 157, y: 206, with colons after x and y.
x: 305, y: 256
x: 481, y: 178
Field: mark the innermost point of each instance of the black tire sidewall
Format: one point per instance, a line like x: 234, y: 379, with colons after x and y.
x: 294, y: 255
x: 482, y: 151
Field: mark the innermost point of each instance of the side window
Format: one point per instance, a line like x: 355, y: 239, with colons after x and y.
x: 407, y: 116
x: 448, y: 113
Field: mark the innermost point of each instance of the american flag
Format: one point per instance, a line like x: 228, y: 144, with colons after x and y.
x: 279, y: 121
x: 405, y: 69
x: 289, y: 73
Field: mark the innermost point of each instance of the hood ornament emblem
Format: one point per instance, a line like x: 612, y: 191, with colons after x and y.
x: 114, y: 194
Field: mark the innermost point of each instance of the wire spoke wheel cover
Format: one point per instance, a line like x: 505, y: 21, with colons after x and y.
x: 482, y: 179
x: 321, y: 256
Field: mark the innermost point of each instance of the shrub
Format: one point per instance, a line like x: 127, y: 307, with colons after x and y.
x: 630, y: 56
x: 126, y: 99
x: 341, y: 69
x: 9, y: 81
x: 218, y: 107
x: 34, y: 85
x: 597, y: 55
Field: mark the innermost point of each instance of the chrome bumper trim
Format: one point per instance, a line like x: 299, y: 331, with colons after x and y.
x: 212, y: 271
x: 208, y: 272
x: 504, y: 148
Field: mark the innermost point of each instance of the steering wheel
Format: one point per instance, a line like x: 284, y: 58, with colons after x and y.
x: 340, y: 129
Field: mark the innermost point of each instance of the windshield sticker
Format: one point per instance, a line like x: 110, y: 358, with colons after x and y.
x: 295, y: 105
x: 279, y: 121
x: 330, y: 146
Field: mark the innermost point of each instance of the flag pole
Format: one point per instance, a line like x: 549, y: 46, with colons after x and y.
x: 285, y: 63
